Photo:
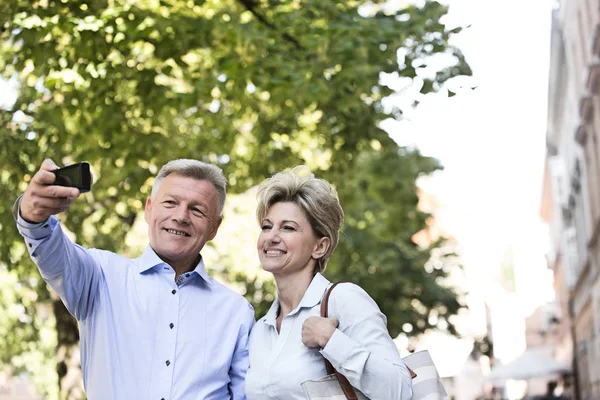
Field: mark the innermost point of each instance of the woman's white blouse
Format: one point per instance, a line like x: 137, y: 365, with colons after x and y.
x: 361, y: 348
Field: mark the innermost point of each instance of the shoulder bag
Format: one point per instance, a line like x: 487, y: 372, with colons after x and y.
x: 427, y: 384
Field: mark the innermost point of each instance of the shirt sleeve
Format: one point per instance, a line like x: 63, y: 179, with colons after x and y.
x: 72, y: 272
x: 361, y: 348
x: 240, y: 361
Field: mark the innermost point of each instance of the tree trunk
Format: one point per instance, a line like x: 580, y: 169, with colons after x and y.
x: 70, y: 378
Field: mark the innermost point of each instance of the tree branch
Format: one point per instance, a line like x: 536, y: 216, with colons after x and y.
x: 250, y: 6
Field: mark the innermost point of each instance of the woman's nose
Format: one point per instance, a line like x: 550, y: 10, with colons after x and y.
x: 273, y: 237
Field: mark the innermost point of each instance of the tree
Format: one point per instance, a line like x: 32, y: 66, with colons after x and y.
x: 255, y: 86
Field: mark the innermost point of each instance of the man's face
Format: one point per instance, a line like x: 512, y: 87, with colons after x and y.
x: 182, y: 217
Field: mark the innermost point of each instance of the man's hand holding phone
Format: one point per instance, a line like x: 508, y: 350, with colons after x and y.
x: 44, y: 196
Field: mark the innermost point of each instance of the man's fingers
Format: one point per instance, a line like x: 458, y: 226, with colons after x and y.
x: 36, y: 209
x: 43, y: 198
x: 42, y: 186
x: 62, y: 191
x: 43, y: 213
x: 44, y: 177
x: 51, y: 203
x: 48, y: 165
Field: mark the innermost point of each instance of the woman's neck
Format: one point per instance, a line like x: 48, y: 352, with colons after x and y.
x: 291, y: 290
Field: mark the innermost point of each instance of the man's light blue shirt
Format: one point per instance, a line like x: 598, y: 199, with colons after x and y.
x: 143, y: 335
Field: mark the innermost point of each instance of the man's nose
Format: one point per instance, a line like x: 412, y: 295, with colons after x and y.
x: 182, y: 215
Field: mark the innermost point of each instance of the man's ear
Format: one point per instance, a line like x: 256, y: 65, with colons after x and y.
x: 321, y: 247
x: 147, y: 210
x: 215, y: 228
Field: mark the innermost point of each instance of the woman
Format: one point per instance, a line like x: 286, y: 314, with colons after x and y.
x: 300, y: 217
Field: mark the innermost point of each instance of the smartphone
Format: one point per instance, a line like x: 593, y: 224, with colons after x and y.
x: 75, y: 175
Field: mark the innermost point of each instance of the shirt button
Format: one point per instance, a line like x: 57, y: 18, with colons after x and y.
x: 171, y: 325
x: 187, y: 275
x: 168, y: 363
x: 174, y: 291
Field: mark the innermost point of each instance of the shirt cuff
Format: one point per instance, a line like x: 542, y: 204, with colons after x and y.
x: 33, y: 230
x: 339, y: 348
x: 36, y: 231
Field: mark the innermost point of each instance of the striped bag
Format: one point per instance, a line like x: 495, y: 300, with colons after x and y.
x: 427, y: 384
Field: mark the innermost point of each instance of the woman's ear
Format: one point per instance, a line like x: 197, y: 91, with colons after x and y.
x: 321, y: 247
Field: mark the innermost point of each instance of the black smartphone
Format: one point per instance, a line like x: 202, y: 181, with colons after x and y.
x: 75, y: 175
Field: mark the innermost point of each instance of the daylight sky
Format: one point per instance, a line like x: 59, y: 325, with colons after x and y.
x: 491, y: 142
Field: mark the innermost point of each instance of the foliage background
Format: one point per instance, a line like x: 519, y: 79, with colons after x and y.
x: 254, y: 86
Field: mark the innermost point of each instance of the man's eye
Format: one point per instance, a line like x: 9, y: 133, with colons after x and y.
x: 169, y: 202
x: 197, y: 211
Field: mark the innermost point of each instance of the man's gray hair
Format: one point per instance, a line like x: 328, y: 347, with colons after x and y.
x: 194, y: 169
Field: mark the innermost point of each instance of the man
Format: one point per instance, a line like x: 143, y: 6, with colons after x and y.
x: 155, y: 327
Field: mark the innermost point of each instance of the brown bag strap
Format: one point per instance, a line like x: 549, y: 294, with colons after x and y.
x: 346, y: 387
x: 344, y: 384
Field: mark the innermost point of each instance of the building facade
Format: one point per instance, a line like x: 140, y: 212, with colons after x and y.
x: 571, y: 195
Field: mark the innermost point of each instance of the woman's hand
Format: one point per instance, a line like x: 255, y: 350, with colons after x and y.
x: 316, y: 331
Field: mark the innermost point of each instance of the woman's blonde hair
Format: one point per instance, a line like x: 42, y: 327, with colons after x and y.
x: 316, y: 197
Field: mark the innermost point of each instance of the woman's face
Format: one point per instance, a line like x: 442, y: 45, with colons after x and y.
x: 287, y: 244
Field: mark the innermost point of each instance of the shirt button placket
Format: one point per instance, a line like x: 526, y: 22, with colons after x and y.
x: 169, y: 339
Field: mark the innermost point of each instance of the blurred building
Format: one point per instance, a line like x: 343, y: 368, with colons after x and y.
x: 571, y: 194
x: 461, y: 368
x: 553, y: 323
x: 496, y: 284
x: 543, y: 337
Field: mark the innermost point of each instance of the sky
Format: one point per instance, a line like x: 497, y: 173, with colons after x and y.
x: 491, y: 142
x: 7, y: 93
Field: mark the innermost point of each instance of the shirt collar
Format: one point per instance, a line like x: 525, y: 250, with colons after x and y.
x: 311, y: 298
x: 150, y: 260
x: 271, y: 315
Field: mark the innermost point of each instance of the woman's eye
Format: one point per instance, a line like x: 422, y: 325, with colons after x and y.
x: 265, y: 227
x: 289, y: 228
